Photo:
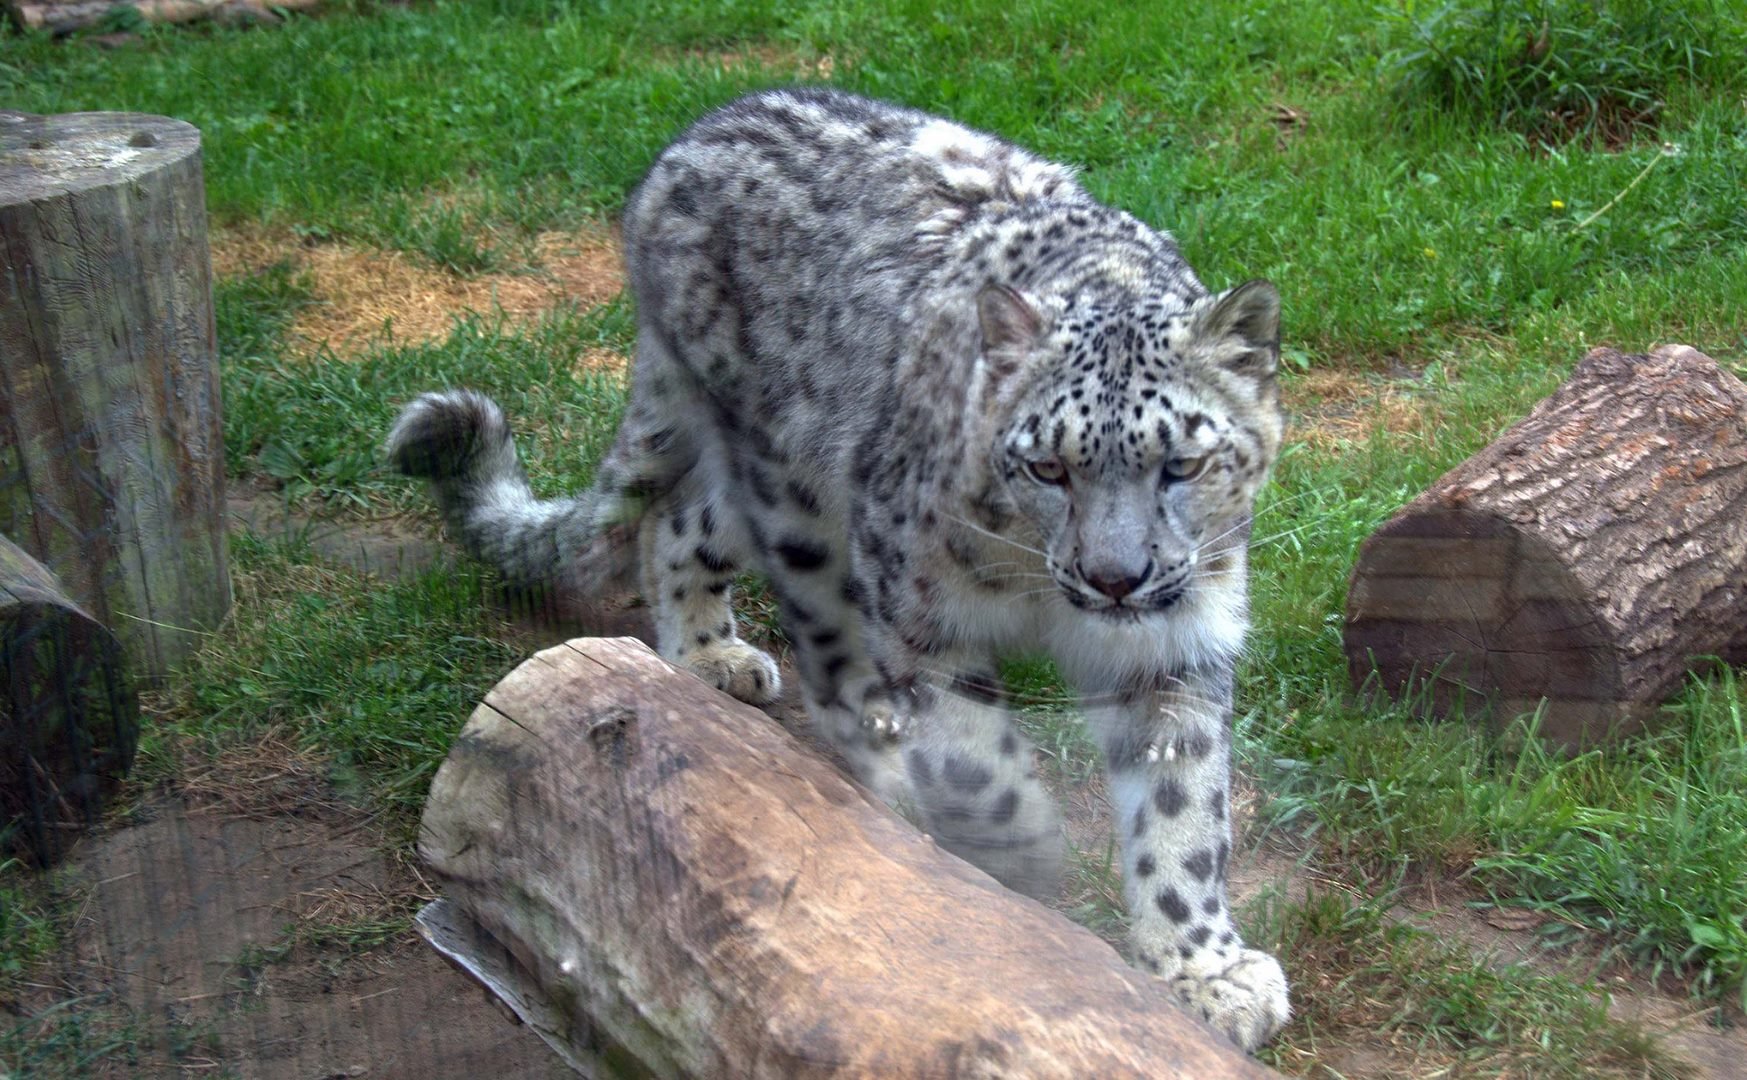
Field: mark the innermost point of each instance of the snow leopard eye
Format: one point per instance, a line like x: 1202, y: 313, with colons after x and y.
x: 1178, y: 469
x: 1049, y: 471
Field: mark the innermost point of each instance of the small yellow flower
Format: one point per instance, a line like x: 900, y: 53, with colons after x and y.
x: 1558, y: 204
x: 1430, y: 254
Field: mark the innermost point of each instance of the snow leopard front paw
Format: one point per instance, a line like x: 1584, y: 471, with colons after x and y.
x: 881, y: 722
x: 738, y: 669
x: 1245, y: 998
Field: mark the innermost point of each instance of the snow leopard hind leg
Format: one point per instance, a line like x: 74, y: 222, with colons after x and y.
x: 693, y: 540
x: 693, y: 547
x: 650, y: 504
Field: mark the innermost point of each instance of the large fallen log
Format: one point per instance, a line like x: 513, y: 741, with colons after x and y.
x: 110, y: 442
x: 1583, y: 560
x: 69, y: 721
x: 688, y: 891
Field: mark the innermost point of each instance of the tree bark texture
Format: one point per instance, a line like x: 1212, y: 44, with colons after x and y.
x: 68, y: 719
x: 693, y: 893
x: 66, y: 16
x: 1585, y: 558
x: 111, y: 453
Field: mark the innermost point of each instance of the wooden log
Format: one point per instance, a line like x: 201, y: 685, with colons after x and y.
x: 69, y: 721
x: 109, y: 396
x: 67, y: 16
x: 1584, y: 559
x: 693, y: 893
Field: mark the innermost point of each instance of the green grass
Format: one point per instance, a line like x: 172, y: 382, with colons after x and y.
x: 76, y: 1035
x: 1044, y: 707
x: 1557, y: 69
x: 74, y: 1038
x: 1457, y: 208
x: 33, y: 914
x: 1641, y: 842
x: 1366, y: 979
x: 84, y: 1036
x: 316, y: 427
x: 373, y: 677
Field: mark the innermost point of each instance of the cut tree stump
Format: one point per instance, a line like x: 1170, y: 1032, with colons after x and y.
x: 110, y: 446
x: 1586, y: 558
x: 682, y: 889
x: 68, y: 719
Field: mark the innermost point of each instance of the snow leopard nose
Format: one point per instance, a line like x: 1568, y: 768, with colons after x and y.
x: 1113, y: 579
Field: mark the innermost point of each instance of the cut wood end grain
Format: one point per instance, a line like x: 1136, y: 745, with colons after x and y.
x: 1580, y: 564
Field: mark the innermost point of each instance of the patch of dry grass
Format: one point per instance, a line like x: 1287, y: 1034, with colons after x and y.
x: 603, y: 360
x: 264, y: 778
x: 1334, y: 408
x: 363, y: 294
x: 777, y: 59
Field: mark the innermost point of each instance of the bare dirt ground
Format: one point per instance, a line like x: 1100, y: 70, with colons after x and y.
x: 186, y: 912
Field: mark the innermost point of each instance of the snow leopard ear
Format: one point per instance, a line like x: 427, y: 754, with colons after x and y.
x: 1241, y: 327
x: 1010, y: 323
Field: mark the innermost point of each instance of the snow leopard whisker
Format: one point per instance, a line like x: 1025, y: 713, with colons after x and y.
x: 974, y: 527
x: 1015, y: 576
x: 1035, y: 592
x: 1249, y: 523
x: 981, y: 573
x: 1275, y: 537
x: 1024, y: 569
x: 1248, y: 545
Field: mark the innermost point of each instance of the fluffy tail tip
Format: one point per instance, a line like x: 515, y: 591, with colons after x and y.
x: 450, y: 434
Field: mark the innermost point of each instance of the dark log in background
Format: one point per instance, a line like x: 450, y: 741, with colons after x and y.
x: 1587, y: 556
x: 66, y: 16
x: 69, y: 721
x: 687, y: 891
x: 111, y: 452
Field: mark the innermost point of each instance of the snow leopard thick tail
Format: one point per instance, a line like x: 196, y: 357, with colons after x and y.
x: 460, y: 441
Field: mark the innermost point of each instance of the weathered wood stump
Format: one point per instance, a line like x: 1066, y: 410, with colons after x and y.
x: 68, y: 719
x: 1586, y: 557
x: 690, y: 892
x: 109, y: 399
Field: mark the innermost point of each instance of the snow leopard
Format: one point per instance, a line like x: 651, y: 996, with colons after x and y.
x: 952, y: 409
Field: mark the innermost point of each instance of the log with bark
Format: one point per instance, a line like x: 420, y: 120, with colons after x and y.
x: 69, y: 720
x: 109, y: 397
x: 672, y: 885
x: 1586, y: 559
x: 67, y: 16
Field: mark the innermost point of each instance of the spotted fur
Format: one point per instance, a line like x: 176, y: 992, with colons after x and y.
x: 953, y: 409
